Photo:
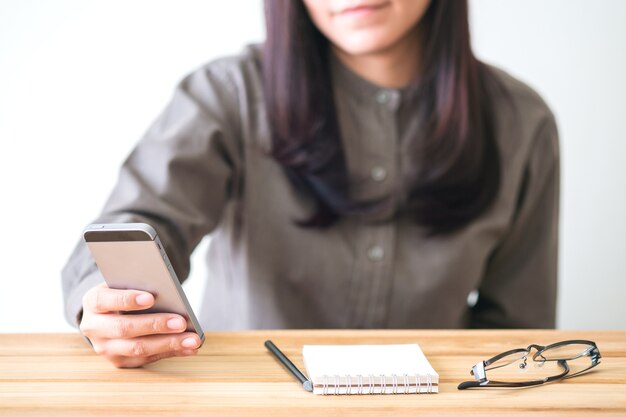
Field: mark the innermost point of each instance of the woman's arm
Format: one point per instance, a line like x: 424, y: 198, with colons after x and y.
x: 520, y: 282
x: 178, y: 178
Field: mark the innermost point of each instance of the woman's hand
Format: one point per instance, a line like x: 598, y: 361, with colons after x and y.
x: 133, y: 340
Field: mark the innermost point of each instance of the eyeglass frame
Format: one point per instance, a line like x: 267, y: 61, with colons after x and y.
x: 479, y: 370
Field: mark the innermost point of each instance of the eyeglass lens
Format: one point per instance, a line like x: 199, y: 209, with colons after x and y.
x: 577, y: 356
x: 521, y: 368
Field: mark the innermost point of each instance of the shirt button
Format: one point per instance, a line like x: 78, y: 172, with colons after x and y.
x: 383, y: 96
x: 378, y: 173
x: 375, y: 253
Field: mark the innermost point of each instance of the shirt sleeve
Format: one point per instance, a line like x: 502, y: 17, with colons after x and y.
x: 178, y: 179
x: 519, y: 286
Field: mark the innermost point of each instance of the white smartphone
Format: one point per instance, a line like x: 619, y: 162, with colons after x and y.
x: 131, y: 256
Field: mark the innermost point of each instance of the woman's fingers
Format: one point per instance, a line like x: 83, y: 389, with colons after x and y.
x: 147, y: 346
x: 102, y: 299
x: 133, y: 340
x: 126, y: 326
x: 127, y: 362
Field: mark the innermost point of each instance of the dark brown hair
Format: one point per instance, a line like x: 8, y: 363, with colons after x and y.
x: 459, y: 173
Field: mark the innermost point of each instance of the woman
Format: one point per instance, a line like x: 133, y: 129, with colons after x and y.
x: 361, y: 169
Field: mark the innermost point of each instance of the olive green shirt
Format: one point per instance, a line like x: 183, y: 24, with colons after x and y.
x: 202, y: 168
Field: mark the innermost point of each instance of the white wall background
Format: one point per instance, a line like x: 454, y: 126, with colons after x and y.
x: 80, y: 81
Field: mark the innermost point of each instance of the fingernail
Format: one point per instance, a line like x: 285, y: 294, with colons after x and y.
x: 176, y: 323
x: 190, y: 342
x: 144, y: 299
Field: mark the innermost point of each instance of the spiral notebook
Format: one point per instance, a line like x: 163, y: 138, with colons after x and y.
x: 369, y: 369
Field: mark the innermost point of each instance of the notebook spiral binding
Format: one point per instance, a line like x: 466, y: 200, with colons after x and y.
x: 398, y: 387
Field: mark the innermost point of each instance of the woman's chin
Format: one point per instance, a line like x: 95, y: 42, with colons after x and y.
x: 364, y: 44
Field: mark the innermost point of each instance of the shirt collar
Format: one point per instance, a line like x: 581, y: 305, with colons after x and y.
x: 348, y: 82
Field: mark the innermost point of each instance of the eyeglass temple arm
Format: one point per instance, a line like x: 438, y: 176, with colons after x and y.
x: 495, y: 384
x: 479, y: 370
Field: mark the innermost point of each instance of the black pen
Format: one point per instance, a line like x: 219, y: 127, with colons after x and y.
x: 306, y: 384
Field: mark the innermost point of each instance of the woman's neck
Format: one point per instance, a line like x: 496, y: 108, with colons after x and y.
x: 393, y: 67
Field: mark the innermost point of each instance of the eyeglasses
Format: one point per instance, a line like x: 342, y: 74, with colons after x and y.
x: 559, y: 360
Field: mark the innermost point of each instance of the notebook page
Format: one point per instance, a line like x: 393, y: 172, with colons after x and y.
x: 348, y: 362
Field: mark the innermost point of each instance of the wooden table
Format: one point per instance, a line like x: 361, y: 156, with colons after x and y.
x: 59, y: 375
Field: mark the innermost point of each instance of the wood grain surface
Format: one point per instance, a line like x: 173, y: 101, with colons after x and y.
x: 59, y: 375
